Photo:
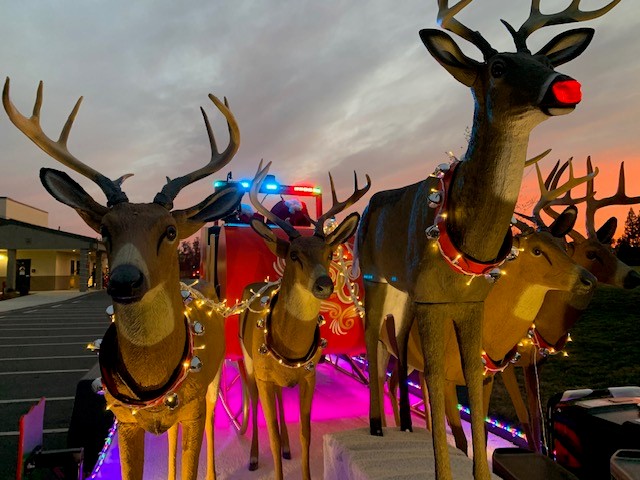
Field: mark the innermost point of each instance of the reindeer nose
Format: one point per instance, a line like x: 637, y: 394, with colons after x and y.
x: 323, y: 287
x: 632, y: 280
x: 588, y: 281
x: 126, y: 284
x: 567, y: 91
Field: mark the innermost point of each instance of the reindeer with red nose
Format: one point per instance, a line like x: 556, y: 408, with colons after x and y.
x: 280, y: 331
x: 422, y: 246
x: 149, y: 357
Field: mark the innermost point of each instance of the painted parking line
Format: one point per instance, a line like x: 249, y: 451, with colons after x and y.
x: 34, y: 400
x: 19, y: 359
x: 42, y: 344
x: 45, y: 431
x: 36, y: 372
x: 43, y: 336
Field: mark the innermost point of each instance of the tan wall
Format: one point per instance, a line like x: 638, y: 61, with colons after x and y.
x: 52, y: 269
x: 12, y: 210
x: 3, y: 263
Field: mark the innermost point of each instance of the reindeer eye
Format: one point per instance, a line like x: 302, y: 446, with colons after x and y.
x: 537, y: 252
x: 497, y: 69
x: 104, y: 232
x: 330, y: 256
x: 294, y: 256
x: 591, y: 255
x: 171, y: 233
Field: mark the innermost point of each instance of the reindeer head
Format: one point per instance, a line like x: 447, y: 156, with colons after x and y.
x: 307, y: 257
x: 518, y: 86
x: 141, y: 238
x: 594, y: 252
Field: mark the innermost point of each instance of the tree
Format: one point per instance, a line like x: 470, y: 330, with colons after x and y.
x: 628, y: 245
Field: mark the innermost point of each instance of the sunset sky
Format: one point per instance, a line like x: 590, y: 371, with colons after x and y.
x: 314, y: 85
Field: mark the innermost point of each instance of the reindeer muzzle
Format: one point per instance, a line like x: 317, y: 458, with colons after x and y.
x: 323, y: 287
x: 126, y: 284
x: 586, y: 283
x: 562, y: 96
x: 632, y: 280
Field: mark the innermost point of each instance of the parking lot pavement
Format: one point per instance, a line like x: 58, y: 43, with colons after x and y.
x: 43, y: 353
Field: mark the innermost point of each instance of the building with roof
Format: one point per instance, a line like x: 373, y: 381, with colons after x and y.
x: 36, y: 257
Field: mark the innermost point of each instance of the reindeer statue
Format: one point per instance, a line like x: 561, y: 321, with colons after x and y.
x: 280, y: 331
x: 437, y: 251
x: 542, y: 265
x: 561, y: 310
x: 152, y: 376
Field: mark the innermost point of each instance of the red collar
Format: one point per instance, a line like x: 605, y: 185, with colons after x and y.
x: 491, y: 366
x: 115, y: 375
x: 458, y: 260
x: 545, y: 348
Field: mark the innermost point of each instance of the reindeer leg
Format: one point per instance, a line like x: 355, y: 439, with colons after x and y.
x: 211, y: 400
x: 253, y: 394
x: 267, y: 391
x: 307, y: 386
x: 284, y: 433
x: 513, y: 388
x: 431, y: 318
x: 393, y: 397
x: 131, y: 445
x: 172, y: 435
x: 192, y: 431
x: 487, y: 389
x: 425, y: 399
x: 453, y: 416
x: 533, y: 392
x: 403, y: 367
x: 383, y: 364
x: 468, y: 324
x: 375, y: 293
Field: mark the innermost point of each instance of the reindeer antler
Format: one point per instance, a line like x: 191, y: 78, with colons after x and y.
x: 447, y: 21
x: 218, y: 160
x: 58, y: 149
x: 538, y: 20
x: 551, y: 197
x: 619, y: 198
x: 337, y: 206
x: 253, y: 196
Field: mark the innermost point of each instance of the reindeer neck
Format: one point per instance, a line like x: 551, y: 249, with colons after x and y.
x: 559, y: 313
x: 520, y: 310
x: 151, y: 336
x: 485, y: 188
x: 294, y: 318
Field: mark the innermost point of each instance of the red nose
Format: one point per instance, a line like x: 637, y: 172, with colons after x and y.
x: 567, y: 91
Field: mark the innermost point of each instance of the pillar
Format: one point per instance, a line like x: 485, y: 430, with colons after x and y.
x: 84, y: 269
x: 11, y: 269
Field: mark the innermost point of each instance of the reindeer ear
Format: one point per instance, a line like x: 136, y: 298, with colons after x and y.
x: 277, y: 246
x: 562, y: 225
x: 66, y: 190
x: 566, y: 46
x: 606, y: 232
x: 216, y: 206
x: 342, y: 233
x: 442, y: 47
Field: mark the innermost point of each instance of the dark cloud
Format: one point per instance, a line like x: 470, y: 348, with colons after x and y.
x: 339, y: 85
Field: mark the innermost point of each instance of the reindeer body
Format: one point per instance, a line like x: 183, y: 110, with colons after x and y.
x: 152, y: 376
x: 509, y: 310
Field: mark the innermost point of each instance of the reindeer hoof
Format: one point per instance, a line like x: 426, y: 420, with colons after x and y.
x: 375, y: 427
x: 253, y: 465
x: 286, y: 455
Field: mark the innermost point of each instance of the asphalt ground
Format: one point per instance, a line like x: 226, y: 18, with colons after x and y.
x: 43, y: 354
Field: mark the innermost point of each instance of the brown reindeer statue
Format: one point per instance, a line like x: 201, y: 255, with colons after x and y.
x: 153, y: 379
x: 281, y: 330
x: 420, y: 245
x: 561, y: 310
x: 542, y: 265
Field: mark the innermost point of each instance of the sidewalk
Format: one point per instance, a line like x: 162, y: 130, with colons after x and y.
x: 35, y: 299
